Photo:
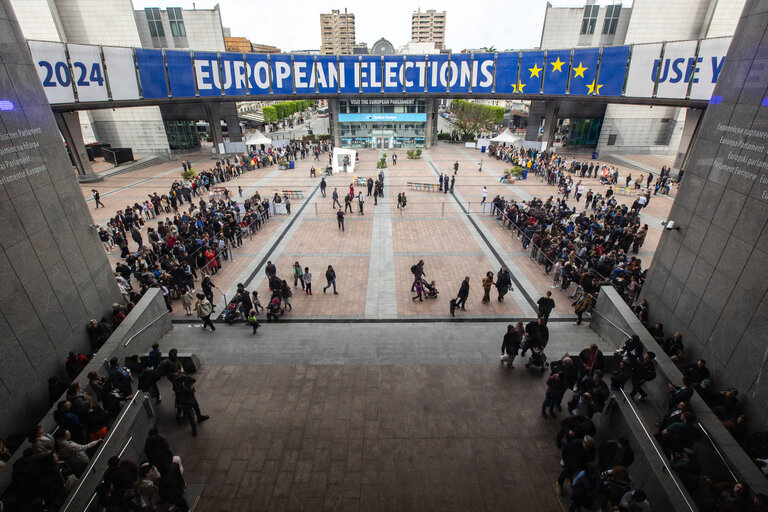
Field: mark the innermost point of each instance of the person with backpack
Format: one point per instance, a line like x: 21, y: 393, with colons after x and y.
x: 418, y: 273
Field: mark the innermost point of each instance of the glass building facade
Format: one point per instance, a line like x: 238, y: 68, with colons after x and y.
x: 382, y: 123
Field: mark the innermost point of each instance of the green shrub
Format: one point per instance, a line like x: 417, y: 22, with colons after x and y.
x: 188, y: 174
x: 382, y: 163
x: 515, y: 171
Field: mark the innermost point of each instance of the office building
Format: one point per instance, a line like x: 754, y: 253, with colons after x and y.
x: 337, y: 33
x: 237, y: 44
x: 428, y: 26
x: 631, y: 128
x: 264, y: 48
x: 177, y: 28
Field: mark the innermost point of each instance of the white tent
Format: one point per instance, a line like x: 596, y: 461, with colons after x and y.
x: 257, y: 139
x: 507, y: 137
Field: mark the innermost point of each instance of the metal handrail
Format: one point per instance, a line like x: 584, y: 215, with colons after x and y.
x: 628, y: 335
x: 112, y: 430
x: 145, y: 328
x: 661, y: 456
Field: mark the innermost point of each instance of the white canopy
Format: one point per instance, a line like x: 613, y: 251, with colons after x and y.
x: 257, y: 139
x: 507, y: 137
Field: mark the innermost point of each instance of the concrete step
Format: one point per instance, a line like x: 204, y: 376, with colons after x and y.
x: 137, y: 165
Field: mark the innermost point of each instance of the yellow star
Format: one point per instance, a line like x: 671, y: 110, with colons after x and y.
x: 557, y: 65
x: 535, y: 71
x: 518, y: 88
x: 594, y: 88
x: 579, y: 71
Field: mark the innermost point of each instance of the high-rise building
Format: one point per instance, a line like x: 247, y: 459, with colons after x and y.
x: 177, y: 28
x: 428, y: 26
x: 337, y: 33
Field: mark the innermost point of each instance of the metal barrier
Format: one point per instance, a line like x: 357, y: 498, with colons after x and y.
x: 146, y: 327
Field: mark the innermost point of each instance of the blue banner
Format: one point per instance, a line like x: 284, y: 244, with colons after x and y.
x: 282, y: 82
x: 304, y: 73
x: 531, y: 72
x: 151, y: 73
x: 180, y: 73
x: 327, y: 74
x: 393, y: 68
x: 482, y: 72
x: 349, y: 74
x: 371, y: 118
x: 461, y: 72
x: 556, y: 72
x: 506, y: 73
x: 258, y: 73
x: 613, y: 69
x: 415, y: 75
x: 370, y: 73
x: 584, y: 72
x: 437, y: 75
x: 235, y: 75
x: 208, y: 73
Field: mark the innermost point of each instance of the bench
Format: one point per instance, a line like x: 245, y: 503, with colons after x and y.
x: 361, y: 181
x: 432, y: 187
x: 296, y: 194
x: 625, y: 191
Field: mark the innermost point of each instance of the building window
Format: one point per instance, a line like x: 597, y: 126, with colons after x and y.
x: 176, y: 22
x: 611, y: 19
x: 155, y: 22
x: 589, y: 21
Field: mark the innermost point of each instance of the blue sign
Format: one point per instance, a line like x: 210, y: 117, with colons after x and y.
x: 327, y: 74
x: 370, y: 73
x: 482, y: 72
x: 304, y: 74
x: 556, y: 71
x: 393, y: 69
x: 461, y: 73
x: 584, y: 72
x: 531, y: 72
x: 613, y: 68
x: 438, y: 74
x: 257, y: 66
x: 151, y: 73
x: 415, y: 75
x: 282, y: 82
x: 181, y: 76
x: 208, y: 73
x: 349, y: 74
x: 506, y: 74
x: 235, y: 74
x: 374, y: 118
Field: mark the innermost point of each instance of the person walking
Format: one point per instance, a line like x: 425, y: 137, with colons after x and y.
x: 184, y: 388
x: 204, y: 310
x: 546, y: 305
x: 298, y: 275
x: 340, y: 219
x: 335, y: 197
x: 307, y: 281
x: 285, y: 294
x: 361, y: 202
x: 419, y: 291
x: 487, y: 283
x: 510, y: 345
x: 485, y: 196
x: 348, y: 202
x: 461, y: 297
x: 394, y: 159
x: 581, y: 306
x: 453, y: 180
x: 323, y: 184
x: 330, y: 276
x: 418, y: 273
x: 503, y: 282
x: 97, y: 198
x: 480, y: 165
x: 456, y: 168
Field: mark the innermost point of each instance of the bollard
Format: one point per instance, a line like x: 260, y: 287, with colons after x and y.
x: 443, y: 209
x: 316, y: 214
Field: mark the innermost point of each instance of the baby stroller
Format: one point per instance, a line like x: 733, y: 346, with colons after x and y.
x: 538, y: 359
x: 430, y: 290
x: 274, y: 308
x: 232, y: 314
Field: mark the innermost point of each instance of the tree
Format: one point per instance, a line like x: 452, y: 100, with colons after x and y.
x: 471, y: 118
x: 269, y: 114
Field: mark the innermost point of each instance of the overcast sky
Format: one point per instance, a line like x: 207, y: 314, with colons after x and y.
x: 295, y: 24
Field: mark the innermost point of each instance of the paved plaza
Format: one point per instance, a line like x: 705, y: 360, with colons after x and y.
x: 366, y: 400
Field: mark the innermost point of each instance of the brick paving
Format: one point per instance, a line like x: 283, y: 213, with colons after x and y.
x: 434, y: 227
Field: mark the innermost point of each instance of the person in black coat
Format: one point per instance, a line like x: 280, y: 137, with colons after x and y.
x: 510, y: 345
x: 503, y: 282
x: 158, y: 450
x: 546, y: 305
x: 614, y: 453
x: 576, y: 453
x: 172, y: 487
x: 590, y: 359
x: 461, y: 297
x: 537, y: 335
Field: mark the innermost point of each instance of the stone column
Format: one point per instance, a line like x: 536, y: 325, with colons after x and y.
x: 233, y: 129
x: 692, y: 118
x: 535, y: 116
x: 552, y: 111
x: 213, y: 113
x: 69, y: 126
x: 333, y: 122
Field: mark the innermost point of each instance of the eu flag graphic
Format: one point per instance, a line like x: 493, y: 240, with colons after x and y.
x: 556, y: 72
x: 584, y: 72
x: 613, y: 67
x: 531, y: 72
x: 506, y: 73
